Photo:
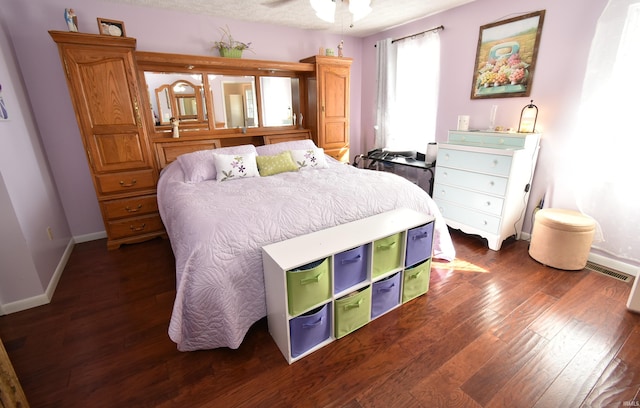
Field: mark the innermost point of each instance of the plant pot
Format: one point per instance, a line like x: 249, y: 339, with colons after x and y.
x: 230, y: 53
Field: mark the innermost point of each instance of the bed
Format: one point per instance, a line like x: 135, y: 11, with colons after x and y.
x: 217, y: 223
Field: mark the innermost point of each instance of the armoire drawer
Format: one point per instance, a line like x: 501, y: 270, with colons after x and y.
x: 125, y: 181
x: 485, y: 183
x: 129, y: 207
x: 467, y: 216
x: 479, y: 162
x: 129, y: 227
x: 476, y: 201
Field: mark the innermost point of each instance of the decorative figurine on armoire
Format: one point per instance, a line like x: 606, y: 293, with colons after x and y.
x: 174, y: 127
x: 71, y: 19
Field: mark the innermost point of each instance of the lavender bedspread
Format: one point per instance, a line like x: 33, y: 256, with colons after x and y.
x: 217, y: 230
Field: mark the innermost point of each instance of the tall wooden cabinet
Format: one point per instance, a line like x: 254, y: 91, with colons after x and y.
x: 328, y: 104
x: 101, y: 75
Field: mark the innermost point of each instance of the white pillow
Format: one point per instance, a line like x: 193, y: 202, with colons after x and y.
x: 310, y: 158
x: 235, y: 166
x: 273, y: 149
x: 199, y: 166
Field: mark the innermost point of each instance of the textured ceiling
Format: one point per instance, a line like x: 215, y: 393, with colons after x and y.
x: 298, y: 13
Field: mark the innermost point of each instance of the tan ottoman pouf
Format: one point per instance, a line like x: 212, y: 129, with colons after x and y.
x: 562, y: 238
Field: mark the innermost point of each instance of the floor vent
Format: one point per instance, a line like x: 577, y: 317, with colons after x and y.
x: 606, y: 271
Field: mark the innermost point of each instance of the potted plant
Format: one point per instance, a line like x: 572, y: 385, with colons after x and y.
x: 228, y: 47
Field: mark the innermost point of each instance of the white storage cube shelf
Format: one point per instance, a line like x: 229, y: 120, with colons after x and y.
x: 357, y: 239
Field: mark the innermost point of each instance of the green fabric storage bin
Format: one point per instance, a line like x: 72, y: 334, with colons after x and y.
x: 387, y: 254
x: 416, y: 281
x: 352, y: 312
x: 308, y: 286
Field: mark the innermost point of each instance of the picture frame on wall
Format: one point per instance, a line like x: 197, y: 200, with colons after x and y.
x: 114, y: 28
x: 506, y: 57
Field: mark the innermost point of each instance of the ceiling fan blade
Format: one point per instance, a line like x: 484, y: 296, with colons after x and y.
x: 276, y: 3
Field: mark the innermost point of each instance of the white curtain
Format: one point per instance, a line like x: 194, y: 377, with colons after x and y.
x: 385, y: 64
x: 606, y: 133
x: 408, y: 84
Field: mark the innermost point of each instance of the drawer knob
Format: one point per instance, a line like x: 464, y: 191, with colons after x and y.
x: 140, y: 228
x: 485, y: 222
x: 491, y: 183
x: 488, y: 203
x: 133, y: 183
x: 494, y: 163
x: 132, y: 210
x: 446, y: 156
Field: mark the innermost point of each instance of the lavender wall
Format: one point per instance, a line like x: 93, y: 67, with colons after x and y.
x: 564, y: 46
x: 158, y: 30
x: 568, y: 28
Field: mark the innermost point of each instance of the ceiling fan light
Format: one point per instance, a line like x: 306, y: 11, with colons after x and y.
x: 325, y: 9
x: 359, y: 8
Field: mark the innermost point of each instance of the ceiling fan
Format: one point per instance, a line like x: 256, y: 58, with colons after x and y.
x: 326, y: 9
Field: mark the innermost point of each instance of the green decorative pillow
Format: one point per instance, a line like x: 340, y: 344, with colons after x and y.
x: 270, y: 165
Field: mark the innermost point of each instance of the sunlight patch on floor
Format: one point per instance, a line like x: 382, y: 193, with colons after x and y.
x: 458, y: 265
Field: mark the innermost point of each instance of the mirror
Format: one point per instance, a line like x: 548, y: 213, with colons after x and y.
x: 234, y: 101
x: 178, y: 95
x: 230, y: 100
x: 278, y: 107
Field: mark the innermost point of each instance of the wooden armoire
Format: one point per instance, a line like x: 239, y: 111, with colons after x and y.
x: 101, y: 75
x: 328, y: 104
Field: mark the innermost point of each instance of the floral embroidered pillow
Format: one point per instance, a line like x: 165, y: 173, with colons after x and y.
x: 279, y: 163
x: 310, y: 158
x: 235, y: 166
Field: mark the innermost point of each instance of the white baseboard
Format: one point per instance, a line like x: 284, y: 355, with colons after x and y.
x: 45, y: 298
x: 89, y: 237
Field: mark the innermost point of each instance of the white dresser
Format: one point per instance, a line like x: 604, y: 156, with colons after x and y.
x: 482, y: 182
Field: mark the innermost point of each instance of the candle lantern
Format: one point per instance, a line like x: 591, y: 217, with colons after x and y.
x: 528, y: 118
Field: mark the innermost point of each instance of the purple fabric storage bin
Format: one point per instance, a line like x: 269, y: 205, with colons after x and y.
x: 385, y: 295
x: 419, y: 242
x: 349, y: 268
x: 310, y: 329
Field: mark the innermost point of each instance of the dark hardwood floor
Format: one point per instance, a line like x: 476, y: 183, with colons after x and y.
x: 496, y: 329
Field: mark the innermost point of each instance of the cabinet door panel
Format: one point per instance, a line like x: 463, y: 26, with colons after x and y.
x: 118, y: 152
x: 107, y: 101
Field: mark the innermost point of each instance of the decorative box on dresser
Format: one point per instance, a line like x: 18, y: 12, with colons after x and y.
x: 101, y: 76
x: 482, y: 182
x: 328, y: 104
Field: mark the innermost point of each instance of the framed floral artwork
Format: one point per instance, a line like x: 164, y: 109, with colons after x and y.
x: 506, y: 57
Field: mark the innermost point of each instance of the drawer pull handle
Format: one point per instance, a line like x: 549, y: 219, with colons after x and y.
x: 354, y: 305
x: 386, y: 289
x: 415, y: 275
x: 132, y: 210
x: 352, y: 260
x: 133, y: 183
x: 389, y: 246
x: 313, y: 279
x: 421, y: 236
x: 311, y: 325
x: 140, y: 228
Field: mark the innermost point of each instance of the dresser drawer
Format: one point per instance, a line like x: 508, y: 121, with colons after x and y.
x: 477, y: 201
x: 125, y: 182
x: 129, y: 207
x: 130, y: 227
x: 474, y: 161
x: 506, y: 140
x: 467, y: 216
x: 485, y: 183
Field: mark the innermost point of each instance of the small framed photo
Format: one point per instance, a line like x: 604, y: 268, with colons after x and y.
x: 113, y: 28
